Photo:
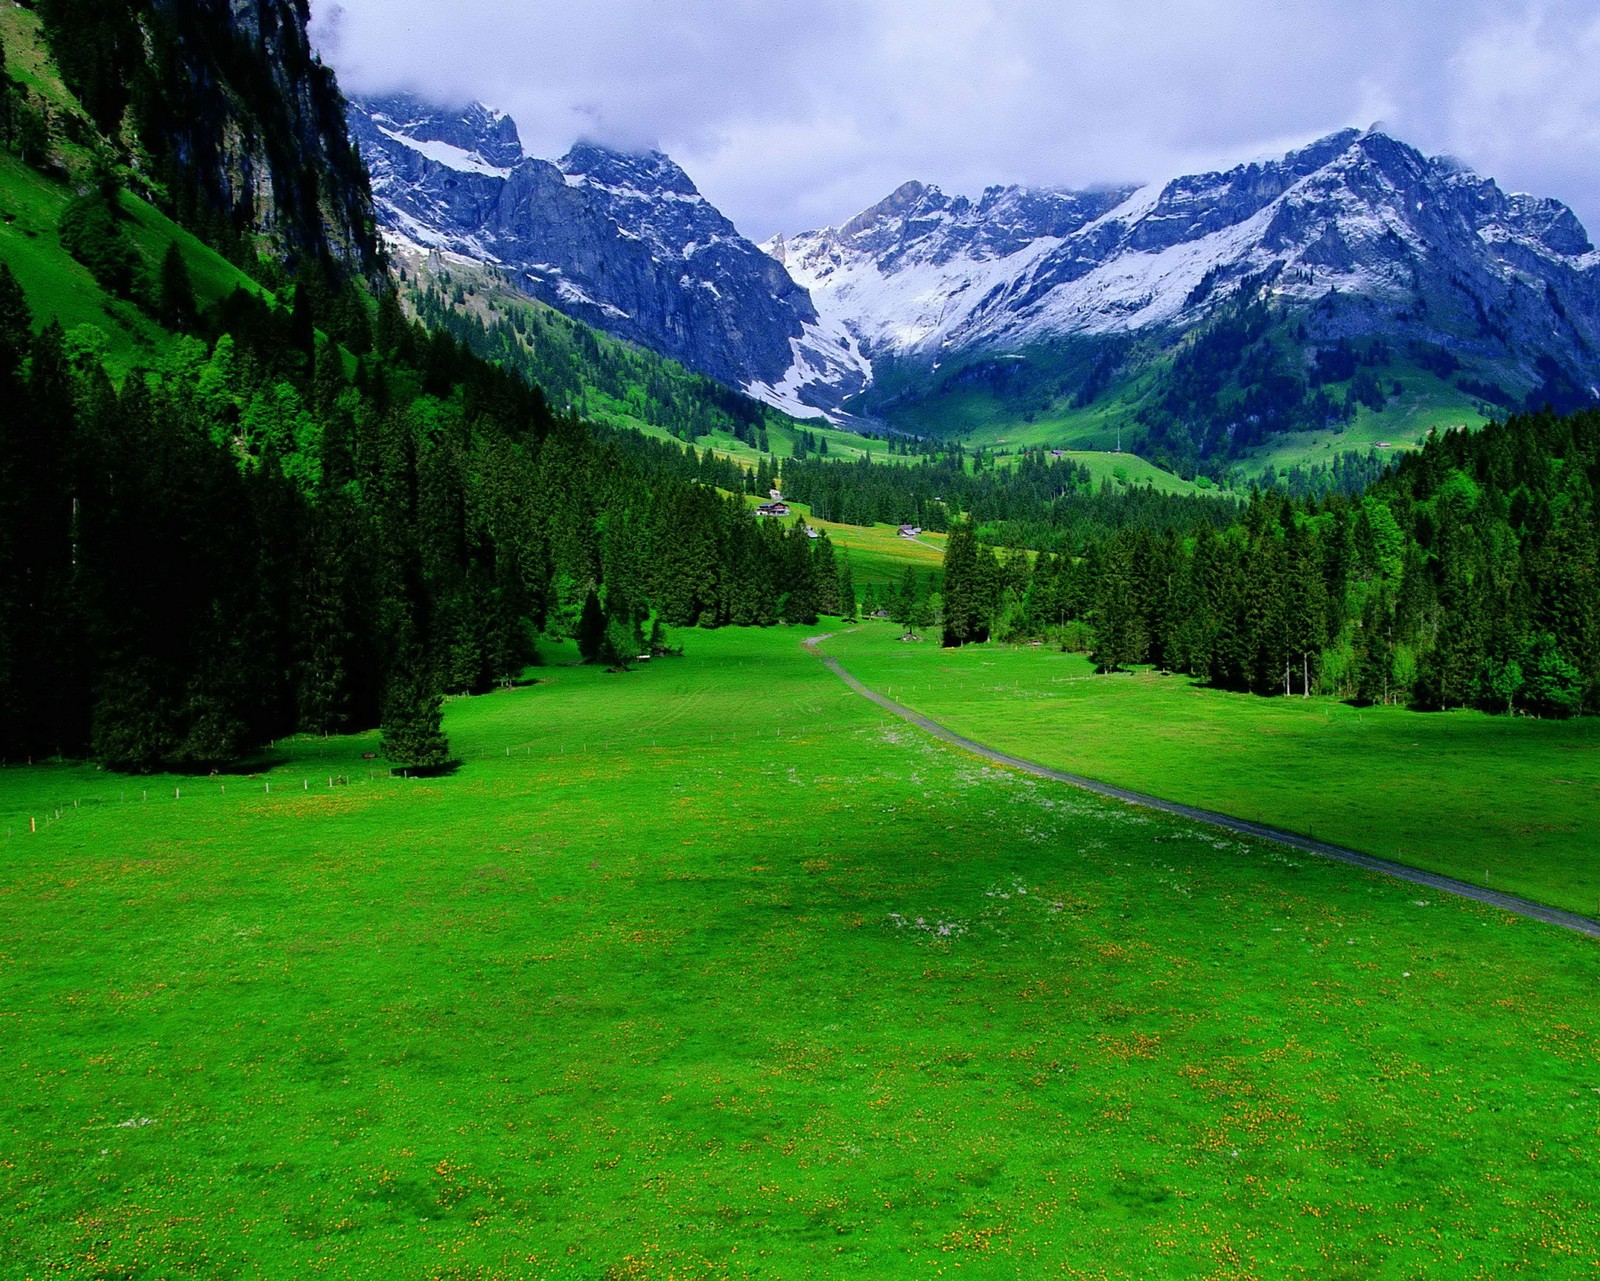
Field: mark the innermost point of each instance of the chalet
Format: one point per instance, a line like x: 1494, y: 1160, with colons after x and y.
x: 910, y: 531
x: 773, y: 509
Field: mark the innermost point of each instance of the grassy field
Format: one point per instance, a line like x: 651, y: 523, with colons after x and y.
x: 878, y: 554
x: 1511, y: 801
x: 712, y: 970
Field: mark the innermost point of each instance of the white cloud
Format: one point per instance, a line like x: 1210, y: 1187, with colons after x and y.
x: 790, y: 116
x: 1525, y: 99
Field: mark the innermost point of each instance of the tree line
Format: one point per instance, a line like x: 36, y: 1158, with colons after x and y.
x: 1039, y: 501
x: 265, y: 532
x: 1467, y: 577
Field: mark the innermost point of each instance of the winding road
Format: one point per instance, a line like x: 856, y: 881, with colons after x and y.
x: 1339, y: 853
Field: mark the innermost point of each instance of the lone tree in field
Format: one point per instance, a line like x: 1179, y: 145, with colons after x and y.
x: 910, y: 606
x: 413, y: 720
x: 591, y: 635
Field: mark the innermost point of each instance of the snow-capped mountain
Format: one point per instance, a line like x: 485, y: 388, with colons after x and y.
x: 1435, y: 253
x: 620, y: 241
x: 1356, y: 236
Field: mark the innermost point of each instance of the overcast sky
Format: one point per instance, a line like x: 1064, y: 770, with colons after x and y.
x: 792, y: 115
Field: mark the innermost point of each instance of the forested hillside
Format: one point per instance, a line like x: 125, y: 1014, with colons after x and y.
x: 1039, y: 502
x: 1468, y: 577
x: 602, y: 378
x: 230, y: 510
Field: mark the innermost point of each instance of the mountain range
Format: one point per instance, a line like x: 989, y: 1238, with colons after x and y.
x: 1333, y: 277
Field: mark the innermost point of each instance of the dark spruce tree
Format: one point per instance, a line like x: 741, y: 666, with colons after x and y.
x: 591, y: 633
x: 175, y: 303
x: 964, y: 617
x: 413, y: 735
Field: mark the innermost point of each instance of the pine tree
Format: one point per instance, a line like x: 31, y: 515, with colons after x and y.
x: 1118, y: 633
x: 966, y: 612
x: 909, y: 604
x: 176, y: 308
x: 825, y: 573
x: 591, y: 633
x: 413, y: 718
x: 799, y: 577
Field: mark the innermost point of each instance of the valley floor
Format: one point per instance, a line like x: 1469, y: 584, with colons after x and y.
x: 715, y: 969
x: 1508, y: 802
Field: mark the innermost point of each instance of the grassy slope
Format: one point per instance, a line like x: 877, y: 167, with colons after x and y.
x: 978, y: 416
x: 1426, y: 404
x: 1126, y: 470
x: 27, y: 60
x: 629, y: 996
x: 59, y: 287
x: 877, y: 552
x: 1459, y: 792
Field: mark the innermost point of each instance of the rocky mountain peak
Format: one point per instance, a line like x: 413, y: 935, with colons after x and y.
x: 907, y: 203
x: 475, y: 128
x: 620, y: 240
x: 636, y: 175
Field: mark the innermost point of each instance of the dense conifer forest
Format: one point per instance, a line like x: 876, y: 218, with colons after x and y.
x: 311, y: 511
x: 1467, y: 577
x: 266, y: 533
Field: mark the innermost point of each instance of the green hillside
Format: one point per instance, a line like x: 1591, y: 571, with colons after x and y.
x: 1245, y: 393
x: 605, y: 379
x: 60, y: 288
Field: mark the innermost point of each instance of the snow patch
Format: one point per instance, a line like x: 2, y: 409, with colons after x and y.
x: 443, y: 153
x: 569, y: 292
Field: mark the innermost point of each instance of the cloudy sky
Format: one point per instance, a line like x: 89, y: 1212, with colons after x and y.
x: 795, y: 115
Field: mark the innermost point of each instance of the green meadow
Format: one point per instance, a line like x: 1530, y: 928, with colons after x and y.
x: 1513, y: 802
x: 712, y: 969
x: 878, y: 553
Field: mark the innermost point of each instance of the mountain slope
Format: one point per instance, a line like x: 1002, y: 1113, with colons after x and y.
x: 622, y: 242
x: 1352, y: 286
x: 1357, y: 238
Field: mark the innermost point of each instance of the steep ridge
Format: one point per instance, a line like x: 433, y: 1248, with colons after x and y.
x: 623, y: 242
x: 1435, y: 254
x: 224, y: 117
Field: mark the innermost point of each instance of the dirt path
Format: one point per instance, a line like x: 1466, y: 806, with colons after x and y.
x: 1445, y: 884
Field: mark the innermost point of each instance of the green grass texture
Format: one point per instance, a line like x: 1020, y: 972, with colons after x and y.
x: 1512, y: 802
x: 60, y: 288
x: 713, y: 969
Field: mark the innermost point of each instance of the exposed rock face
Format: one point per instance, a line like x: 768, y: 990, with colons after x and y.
x: 1440, y: 254
x: 1358, y: 234
x: 623, y: 242
x: 246, y: 126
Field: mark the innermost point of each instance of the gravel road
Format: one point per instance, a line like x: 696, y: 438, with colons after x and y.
x: 1444, y: 884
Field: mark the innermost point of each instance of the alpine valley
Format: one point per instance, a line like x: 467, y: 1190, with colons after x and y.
x: 1352, y: 291
x: 901, y: 839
